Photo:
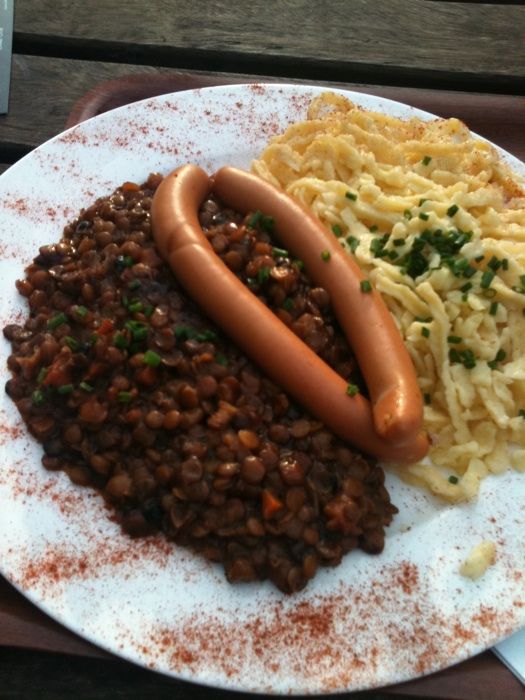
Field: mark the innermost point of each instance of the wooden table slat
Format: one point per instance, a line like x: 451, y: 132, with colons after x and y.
x: 350, y: 41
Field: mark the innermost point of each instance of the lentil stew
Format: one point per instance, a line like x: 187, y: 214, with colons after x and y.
x: 131, y: 390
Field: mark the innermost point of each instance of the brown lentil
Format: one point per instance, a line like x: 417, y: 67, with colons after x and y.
x: 131, y: 390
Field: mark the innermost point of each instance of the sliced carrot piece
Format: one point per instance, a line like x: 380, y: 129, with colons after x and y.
x: 106, y: 327
x: 270, y: 504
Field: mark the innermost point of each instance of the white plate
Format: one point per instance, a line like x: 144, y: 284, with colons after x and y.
x: 371, y: 621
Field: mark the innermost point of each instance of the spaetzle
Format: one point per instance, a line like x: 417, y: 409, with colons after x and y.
x: 438, y: 221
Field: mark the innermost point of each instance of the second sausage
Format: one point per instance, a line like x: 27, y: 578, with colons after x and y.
x: 254, y: 328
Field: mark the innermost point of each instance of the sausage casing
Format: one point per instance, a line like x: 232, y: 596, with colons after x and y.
x: 253, y: 327
x: 397, y: 402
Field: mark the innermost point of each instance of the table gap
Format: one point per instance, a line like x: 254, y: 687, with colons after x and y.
x: 11, y: 152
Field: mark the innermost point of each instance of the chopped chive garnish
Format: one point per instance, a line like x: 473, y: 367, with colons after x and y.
x: 457, y: 266
x: 336, y: 229
x: 138, y: 330
x: 134, y: 284
x: 377, y: 246
x: 120, y: 341
x: 351, y: 195
x: 521, y: 412
x: 135, y: 306
x: 57, y: 321
x: 81, y: 311
x: 288, y: 304
x: 184, y: 332
x: 468, y: 359
x: 152, y: 359
x: 451, y: 211
x: 299, y: 264
x: 500, y: 355
x: 254, y: 219
x: 427, y: 399
x: 398, y: 242
x: 373, y: 228
x: 447, y: 243
x: 469, y: 271
x: 365, y: 285
x: 453, y: 479
x: 505, y: 263
x: 426, y: 160
x: 267, y: 224
x: 486, y: 279
x: 493, y: 308
x: 72, y: 343
x: 352, y: 390
x: 494, y: 263
x: 492, y: 364
x: 353, y: 242
x: 522, y: 280
x: 280, y: 252
x: 454, y: 339
x: 453, y: 355
x: 38, y: 397
x: 41, y: 375
x: 466, y: 287
x: 220, y: 359
x: 424, y: 216
x: 325, y: 255
x: 124, y: 396
x: 425, y: 332
x: 489, y: 293
x: 421, y: 202
x: 479, y: 258
x: 206, y: 335
x: 263, y: 274
x: 85, y: 386
x: 65, y: 389
x: 407, y: 214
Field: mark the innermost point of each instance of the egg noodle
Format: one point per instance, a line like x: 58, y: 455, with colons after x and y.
x: 437, y: 220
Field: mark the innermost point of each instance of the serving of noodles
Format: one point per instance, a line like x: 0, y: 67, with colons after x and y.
x: 437, y: 220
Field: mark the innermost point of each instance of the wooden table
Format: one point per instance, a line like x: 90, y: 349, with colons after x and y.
x: 73, y: 59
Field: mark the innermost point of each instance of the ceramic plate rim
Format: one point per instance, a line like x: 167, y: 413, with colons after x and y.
x: 43, y: 158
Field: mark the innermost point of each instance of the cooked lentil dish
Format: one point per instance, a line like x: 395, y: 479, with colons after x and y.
x: 131, y: 390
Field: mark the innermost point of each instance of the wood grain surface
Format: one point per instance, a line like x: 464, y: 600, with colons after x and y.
x: 43, y: 91
x: 408, y: 42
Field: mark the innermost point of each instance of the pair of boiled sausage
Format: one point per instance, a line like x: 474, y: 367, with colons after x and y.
x: 388, y: 427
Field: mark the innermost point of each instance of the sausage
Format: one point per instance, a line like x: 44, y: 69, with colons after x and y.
x: 397, y: 403
x: 253, y: 327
